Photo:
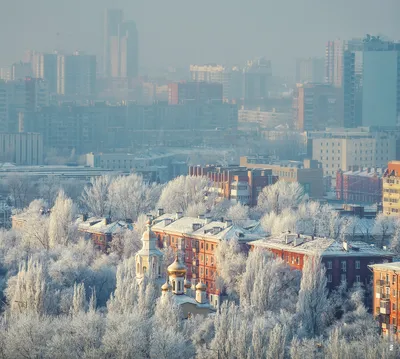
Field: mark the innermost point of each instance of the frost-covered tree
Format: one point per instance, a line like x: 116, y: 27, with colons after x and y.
x: 79, y: 299
x: 95, y: 196
x: 395, y: 241
x: 19, y: 187
x: 231, y: 264
x: 268, y: 284
x: 183, y: 192
x: 383, y: 227
x: 280, y: 196
x: 238, y: 213
x: 275, y: 224
x: 27, y: 291
x: 312, y: 305
x: 61, y: 229
x: 130, y: 196
x: 48, y: 188
x: 35, y: 231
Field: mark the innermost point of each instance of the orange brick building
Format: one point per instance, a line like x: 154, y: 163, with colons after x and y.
x: 386, y: 297
x: 198, y: 238
x: 343, y: 261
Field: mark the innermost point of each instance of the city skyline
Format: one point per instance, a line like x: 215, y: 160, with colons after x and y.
x: 171, y: 37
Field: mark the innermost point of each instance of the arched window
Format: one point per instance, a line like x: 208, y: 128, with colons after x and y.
x: 138, y: 268
x: 144, y: 270
x: 173, y: 285
x: 179, y: 286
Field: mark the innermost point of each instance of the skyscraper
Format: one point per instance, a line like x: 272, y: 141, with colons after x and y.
x: 45, y: 67
x: 128, y: 50
x: 112, y: 20
x: 380, y: 83
x: 310, y: 70
x: 121, y: 48
x: 256, y: 82
x: 76, y: 74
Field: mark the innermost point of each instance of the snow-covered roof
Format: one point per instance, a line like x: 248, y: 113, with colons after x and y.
x: 210, y: 229
x: 98, y: 225
x: 324, y: 246
x: 386, y: 266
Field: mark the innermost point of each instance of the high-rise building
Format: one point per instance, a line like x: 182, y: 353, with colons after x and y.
x: 230, y: 78
x: 20, y: 70
x: 5, y: 73
x: 380, y: 86
x: 256, y: 82
x: 366, y: 72
x: 112, y: 20
x: 121, y: 47
x: 199, y: 92
x: 3, y: 106
x: 316, y: 106
x: 128, y: 50
x: 310, y: 70
x: 45, y: 67
x: 76, y: 75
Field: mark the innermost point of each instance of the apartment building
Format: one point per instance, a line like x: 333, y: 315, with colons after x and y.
x: 236, y: 183
x: 265, y: 119
x: 360, y: 186
x: 391, y: 189
x: 386, y: 284
x: 198, y: 92
x: 315, y: 106
x: 343, y: 261
x: 307, y: 173
x: 21, y: 148
x: 342, y: 149
x: 198, y: 238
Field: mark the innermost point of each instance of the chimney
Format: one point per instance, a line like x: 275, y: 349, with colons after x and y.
x: 208, y: 219
x: 196, y: 226
x: 84, y: 217
x: 160, y: 212
x: 106, y: 221
x: 201, y: 216
x: 178, y: 215
x: 346, y: 246
x: 228, y: 223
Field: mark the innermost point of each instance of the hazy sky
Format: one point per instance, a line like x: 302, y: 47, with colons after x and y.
x: 179, y: 32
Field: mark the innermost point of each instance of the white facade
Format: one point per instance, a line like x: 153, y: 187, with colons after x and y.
x: 346, y: 149
x: 21, y: 148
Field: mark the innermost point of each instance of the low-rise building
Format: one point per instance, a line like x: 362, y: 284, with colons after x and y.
x: 391, y: 189
x: 198, y: 238
x: 344, y: 148
x: 307, y: 173
x: 344, y: 261
x: 359, y: 186
x: 21, y: 148
x: 386, y: 284
x: 101, y: 230
x: 236, y: 183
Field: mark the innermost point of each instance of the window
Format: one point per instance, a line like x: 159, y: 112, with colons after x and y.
x: 329, y: 265
x: 393, y: 279
x: 206, y: 246
x: 343, y: 266
x: 329, y: 278
x: 202, y: 245
x: 357, y: 264
x: 206, y: 271
x: 394, y: 292
x: 394, y: 306
x: 358, y: 279
x: 343, y: 277
x: 297, y: 260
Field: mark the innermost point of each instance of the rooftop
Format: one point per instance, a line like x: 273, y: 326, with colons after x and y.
x: 309, y: 245
x: 386, y: 266
x: 207, y: 228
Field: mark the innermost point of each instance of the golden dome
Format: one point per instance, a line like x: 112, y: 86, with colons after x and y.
x: 201, y: 286
x: 177, y: 268
x: 187, y: 284
x: 166, y: 287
